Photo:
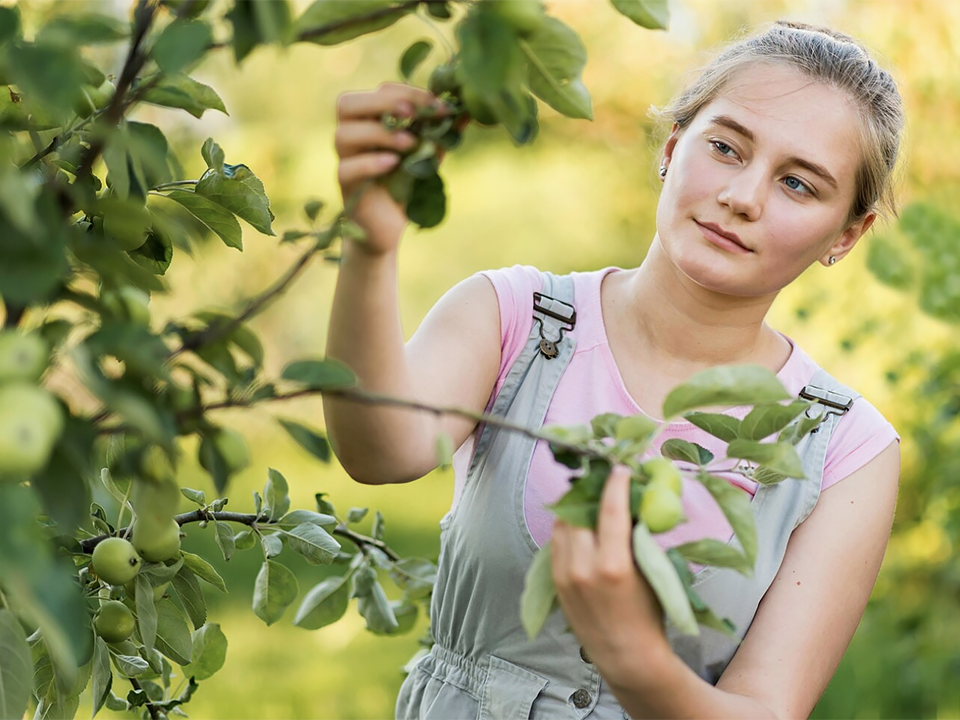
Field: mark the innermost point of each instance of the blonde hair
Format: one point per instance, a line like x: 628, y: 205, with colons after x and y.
x: 829, y: 57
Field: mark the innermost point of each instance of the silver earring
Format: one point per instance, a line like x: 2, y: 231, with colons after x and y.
x: 663, y: 171
x: 832, y: 260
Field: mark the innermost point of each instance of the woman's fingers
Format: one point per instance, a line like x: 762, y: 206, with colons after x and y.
x: 613, y: 522
x: 361, y: 136
x: 368, y: 166
x: 393, y: 98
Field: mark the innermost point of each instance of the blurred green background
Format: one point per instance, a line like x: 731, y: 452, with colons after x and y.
x: 582, y: 197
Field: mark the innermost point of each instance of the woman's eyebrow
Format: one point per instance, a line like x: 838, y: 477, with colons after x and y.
x: 815, y: 168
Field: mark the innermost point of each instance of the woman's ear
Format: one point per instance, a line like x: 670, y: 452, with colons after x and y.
x: 848, y: 238
x: 670, y: 145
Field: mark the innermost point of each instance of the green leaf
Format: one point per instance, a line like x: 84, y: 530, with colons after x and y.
x: 636, y: 428
x: 415, y: 576
x: 16, y: 667
x: 728, y: 386
x: 721, y: 426
x: 146, y: 611
x: 272, y: 545
x: 129, y: 666
x: 275, y: 588
x: 224, y: 537
x: 310, y: 440
x: 209, y: 651
x: 714, y: 552
x: 378, y: 526
x: 794, y: 433
x: 413, y: 56
x: 102, y: 675
x: 577, y: 507
x: 178, y: 90
x: 34, y: 578
x: 324, y: 604
x: 156, y: 253
x: 297, y: 517
x: 174, y: 639
x: 377, y: 611
x: 50, y: 73
x: 677, y: 449
x: 273, y: 21
x: 765, y: 420
x: 780, y: 457
x: 203, y: 570
x: 539, y: 597
x: 663, y: 579
x: 197, y: 496
x: 83, y: 29
x: 10, y: 27
x: 16, y: 199
x: 241, y: 192
x: 220, y: 220
x: 315, y: 544
x: 556, y: 58
x: 490, y: 58
x: 427, y: 204
x: 320, y: 374
x: 735, y: 505
x: 276, y: 495
x: 355, y: 515
x: 191, y: 596
x: 332, y: 13
x: 651, y: 14
x: 181, y: 44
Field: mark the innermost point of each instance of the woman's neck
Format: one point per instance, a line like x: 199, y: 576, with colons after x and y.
x: 682, y: 327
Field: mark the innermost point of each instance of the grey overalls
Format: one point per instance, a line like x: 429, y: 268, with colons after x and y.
x: 483, y: 665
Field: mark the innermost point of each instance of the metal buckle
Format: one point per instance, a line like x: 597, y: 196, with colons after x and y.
x: 832, y: 400
x: 548, y: 347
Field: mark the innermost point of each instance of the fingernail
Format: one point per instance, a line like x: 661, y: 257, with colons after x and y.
x: 405, y: 109
x: 387, y: 160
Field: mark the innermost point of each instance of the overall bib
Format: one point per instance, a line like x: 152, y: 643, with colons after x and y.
x: 483, y: 666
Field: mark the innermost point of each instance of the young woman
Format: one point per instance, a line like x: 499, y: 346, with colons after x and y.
x: 780, y: 156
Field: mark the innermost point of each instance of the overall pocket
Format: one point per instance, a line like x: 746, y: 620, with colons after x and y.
x: 509, y: 691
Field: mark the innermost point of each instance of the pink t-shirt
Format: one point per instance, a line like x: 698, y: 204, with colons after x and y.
x: 592, y: 385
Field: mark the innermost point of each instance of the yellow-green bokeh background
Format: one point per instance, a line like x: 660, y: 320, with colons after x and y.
x: 581, y: 198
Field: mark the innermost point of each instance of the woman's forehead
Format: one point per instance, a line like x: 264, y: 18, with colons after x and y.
x: 787, y: 111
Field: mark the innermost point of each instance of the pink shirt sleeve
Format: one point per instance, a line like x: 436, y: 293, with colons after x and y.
x: 514, y: 287
x: 858, y: 438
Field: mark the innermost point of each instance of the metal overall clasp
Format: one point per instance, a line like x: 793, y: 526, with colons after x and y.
x: 828, y: 403
x: 548, y: 346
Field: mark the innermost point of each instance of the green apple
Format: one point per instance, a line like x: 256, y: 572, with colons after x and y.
x: 661, y: 471
x: 443, y: 79
x: 195, y: 8
x: 114, y: 622
x: 524, y: 16
x: 116, y: 561
x: 477, y: 107
x: 157, y: 543
x: 661, y: 508
x: 23, y: 356
x: 127, y: 224
x: 31, y: 420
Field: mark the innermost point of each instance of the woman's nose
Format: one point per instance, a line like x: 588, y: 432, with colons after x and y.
x: 744, y: 194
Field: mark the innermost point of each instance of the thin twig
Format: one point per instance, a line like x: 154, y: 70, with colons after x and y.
x: 154, y: 713
x: 201, y: 514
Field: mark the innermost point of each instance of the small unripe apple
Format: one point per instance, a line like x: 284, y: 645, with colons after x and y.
x: 661, y: 508
x: 31, y: 420
x: 661, y: 471
x: 524, y: 16
x: 156, y: 544
x: 114, y: 622
x: 116, y: 561
x: 478, y: 108
x: 23, y: 356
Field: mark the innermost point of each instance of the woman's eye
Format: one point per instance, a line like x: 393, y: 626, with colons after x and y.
x: 722, y: 148
x: 796, y: 185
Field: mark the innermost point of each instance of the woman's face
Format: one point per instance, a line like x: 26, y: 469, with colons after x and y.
x: 760, y: 184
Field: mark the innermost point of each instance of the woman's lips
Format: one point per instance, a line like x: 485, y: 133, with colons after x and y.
x: 715, y: 235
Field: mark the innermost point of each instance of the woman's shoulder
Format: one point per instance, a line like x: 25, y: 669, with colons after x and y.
x: 860, y: 435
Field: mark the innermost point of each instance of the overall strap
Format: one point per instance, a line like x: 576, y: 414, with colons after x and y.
x: 545, y: 356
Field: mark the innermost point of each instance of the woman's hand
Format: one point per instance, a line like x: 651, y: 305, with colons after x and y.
x: 368, y: 150
x: 606, y: 600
